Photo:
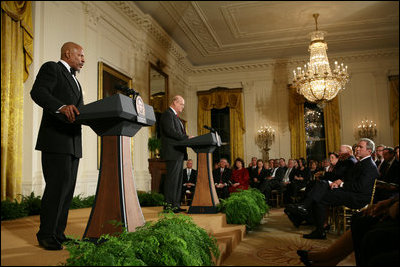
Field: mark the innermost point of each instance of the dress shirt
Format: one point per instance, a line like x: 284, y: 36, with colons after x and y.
x: 286, y: 177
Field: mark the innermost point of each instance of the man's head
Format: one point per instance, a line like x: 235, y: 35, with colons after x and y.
x: 365, y: 147
x: 379, y: 151
x: 290, y: 163
x: 271, y: 163
x: 282, y: 162
x: 178, y: 103
x: 222, y: 163
x: 276, y: 163
x: 72, y: 53
x: 396, y: 152
x: 189, y: 163
x: 254, y: 161
x: 345, y: 149
x: 388, y: 153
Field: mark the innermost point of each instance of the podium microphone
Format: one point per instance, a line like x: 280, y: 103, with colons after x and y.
x: 209, y: 128
x: 126, y: 90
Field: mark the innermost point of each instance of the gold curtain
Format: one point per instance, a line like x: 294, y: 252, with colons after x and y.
x: 16, y: 57
x: 332, y: 125
x: 296, y: 124
x: 394, y: 107
x: 220, y: 98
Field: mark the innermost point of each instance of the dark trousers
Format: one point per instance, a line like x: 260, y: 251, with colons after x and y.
x: 173, y: 183
x: 375, y: 241
x: 321, y: 197
x: 59, y: 171
x: 268, y: 185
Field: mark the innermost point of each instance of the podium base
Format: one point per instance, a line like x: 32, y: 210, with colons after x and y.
x: 202, y: 210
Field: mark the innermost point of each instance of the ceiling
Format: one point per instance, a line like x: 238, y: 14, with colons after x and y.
x: 214, y: 32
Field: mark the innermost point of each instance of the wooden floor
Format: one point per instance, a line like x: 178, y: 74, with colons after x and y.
x: 19, y: 246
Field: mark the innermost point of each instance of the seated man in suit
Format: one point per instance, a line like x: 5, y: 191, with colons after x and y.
x: 275, y: 181
x: 189, y: 180
x: 355, y: 192
x: 222, y: 177
x: 388, y: 183
x: 252, y: 168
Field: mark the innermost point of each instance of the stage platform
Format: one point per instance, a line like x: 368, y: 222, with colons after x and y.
x: 19, y: 246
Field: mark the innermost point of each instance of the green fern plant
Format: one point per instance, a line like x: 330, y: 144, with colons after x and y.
x: 245, y: 207
x: 174, y: 240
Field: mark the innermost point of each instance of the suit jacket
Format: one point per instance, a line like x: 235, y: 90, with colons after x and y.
x: 343, y: 168
x: 280, y: 173
x: 222, y: 178
x: 54, y: 87
x: 192, y: 179
x: 390, y: 174
x: 171, y: 133
x: 252, y: 171
x: 361, y: 181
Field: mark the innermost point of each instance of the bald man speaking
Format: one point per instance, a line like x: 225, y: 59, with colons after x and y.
x: 58, y: 92
x: 173, y: 131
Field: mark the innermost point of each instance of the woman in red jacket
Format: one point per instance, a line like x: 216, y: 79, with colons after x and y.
x: 240, y: 176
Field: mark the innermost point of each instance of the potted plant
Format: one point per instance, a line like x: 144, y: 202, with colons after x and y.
x: 154, y: 145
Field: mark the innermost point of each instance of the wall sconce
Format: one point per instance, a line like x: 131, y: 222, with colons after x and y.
x: 265, y: 136
x: 367, y: 129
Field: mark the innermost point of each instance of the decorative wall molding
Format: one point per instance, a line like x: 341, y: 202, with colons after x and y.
x: 91, y: 12
x: 262, y: 65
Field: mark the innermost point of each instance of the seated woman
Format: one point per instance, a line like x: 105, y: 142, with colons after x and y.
x: 258, y: 175
x: 240, y: 176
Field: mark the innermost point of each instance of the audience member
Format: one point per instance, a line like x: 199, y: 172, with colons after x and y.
x: 258, y: 176
x: 239, y: 177
x: 189, y: 179
x: 354, y: 192
x: 396, y: 153
x: 379, y: 156
x: 301, y: 178
x: 373, y: 237
x: 268, y: 168
x: 388, y: 183
x: 287, y: 179
x: 222, y: 176
x: 274, y: 182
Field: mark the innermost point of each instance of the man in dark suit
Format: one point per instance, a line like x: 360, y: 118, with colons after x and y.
x: 189, y: 179
x: 59, y: 93
x: 355, y: 192
x: 275, y: 181
x: 388, y: 183
x: 222, y: 177
x: 173, y: 131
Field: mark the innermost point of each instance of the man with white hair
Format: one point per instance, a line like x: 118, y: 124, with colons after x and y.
x: 173, y: 131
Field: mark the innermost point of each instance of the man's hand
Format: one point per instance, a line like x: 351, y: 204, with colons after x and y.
x: 69, y: 111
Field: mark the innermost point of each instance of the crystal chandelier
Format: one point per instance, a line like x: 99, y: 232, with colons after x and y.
x: 367, y: 129
x: 265, y: 136
x: 316, y: 82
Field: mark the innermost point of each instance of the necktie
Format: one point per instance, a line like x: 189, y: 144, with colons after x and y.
x: 73, y: 71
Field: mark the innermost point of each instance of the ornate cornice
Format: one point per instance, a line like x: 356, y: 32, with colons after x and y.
x: 146, y: 23
x: 265, y: 64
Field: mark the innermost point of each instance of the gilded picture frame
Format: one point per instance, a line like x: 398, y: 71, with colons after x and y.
x: 108, y: 79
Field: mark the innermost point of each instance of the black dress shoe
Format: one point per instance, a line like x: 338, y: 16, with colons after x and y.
x: 302, y: 210
x: 304, y: 257
x: 316, y: 234
x: 179, y: 209
x: 50, y: 244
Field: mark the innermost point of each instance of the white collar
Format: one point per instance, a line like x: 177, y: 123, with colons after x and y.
x: 365, y: 158
x: 66, y: 65
x: 173, y: 111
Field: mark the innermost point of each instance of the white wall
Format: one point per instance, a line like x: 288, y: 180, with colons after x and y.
x: 126, y: 39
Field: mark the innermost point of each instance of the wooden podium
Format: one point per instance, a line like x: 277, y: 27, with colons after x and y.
x: 205, y: 198
x: 115, y: 119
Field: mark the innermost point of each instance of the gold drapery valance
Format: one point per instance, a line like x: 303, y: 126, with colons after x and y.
x: 16, y: 57
x: 394, y: 107
x: 220, y: 98
x: 297, y: 127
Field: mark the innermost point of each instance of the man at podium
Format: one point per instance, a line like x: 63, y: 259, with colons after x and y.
x: 58, y: 92
x: 173, y: 131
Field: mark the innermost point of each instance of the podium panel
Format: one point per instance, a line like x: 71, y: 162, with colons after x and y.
x: 115, y: 119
